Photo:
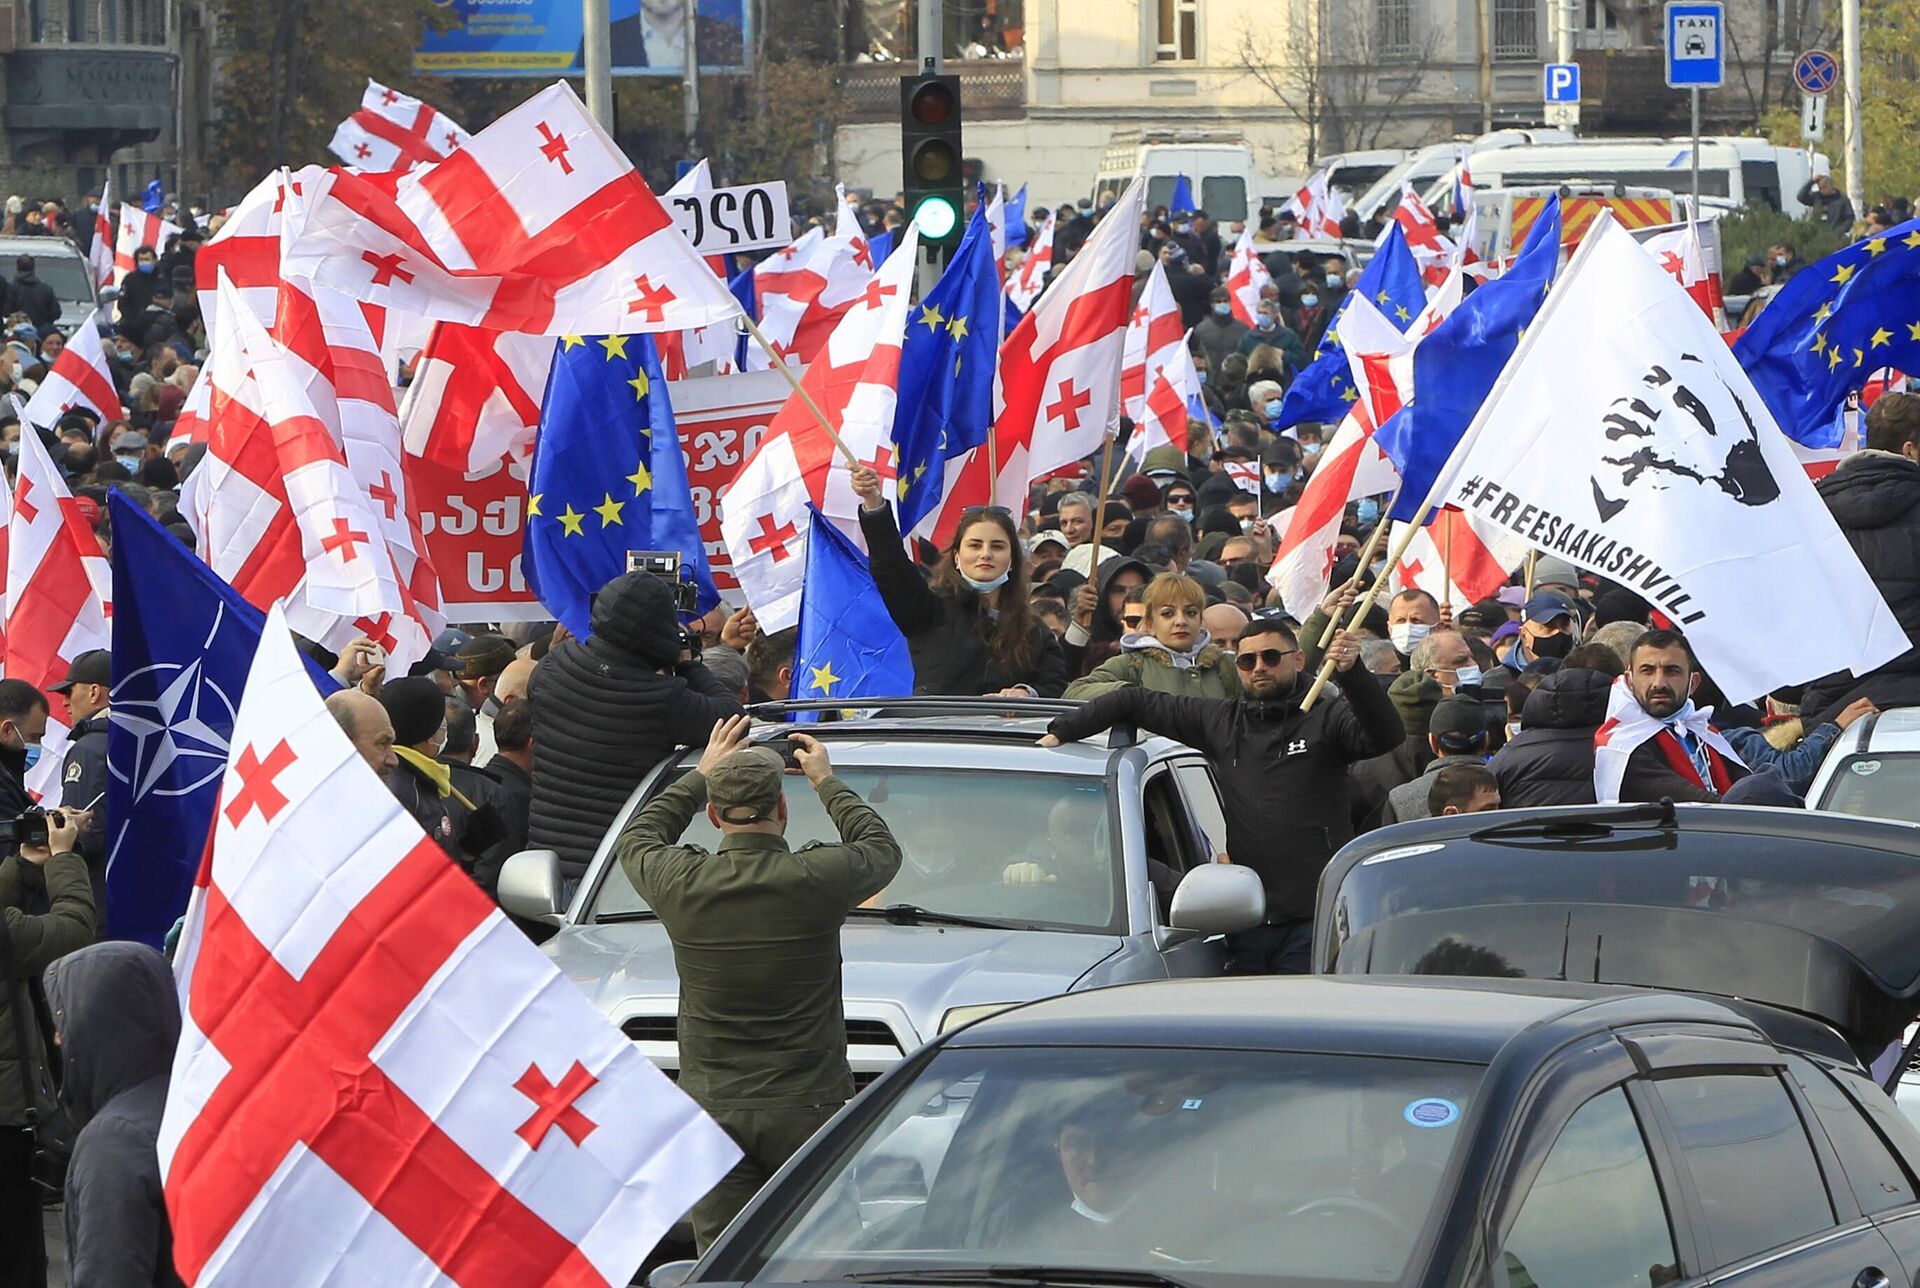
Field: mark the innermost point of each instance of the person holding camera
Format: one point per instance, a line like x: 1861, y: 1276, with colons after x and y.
x: 46, y: 866
x: 608, y: 708
x: 756, y: 940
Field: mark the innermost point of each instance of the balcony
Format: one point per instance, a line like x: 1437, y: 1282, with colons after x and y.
x: 63, y: 89
x: 991, y: 89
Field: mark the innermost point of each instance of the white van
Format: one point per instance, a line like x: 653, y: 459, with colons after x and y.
x: 1421, y: 168
x: 1219, y: 168
x: 1352, y: 173
x: 1733, y: 171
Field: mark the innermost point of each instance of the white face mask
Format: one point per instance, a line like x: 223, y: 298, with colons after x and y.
x: 1406, y: 636
x: 1467, y: 677
x: 982, y: 587
x: 1513, y: 730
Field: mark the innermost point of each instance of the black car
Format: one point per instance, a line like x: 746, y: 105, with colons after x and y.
x: 1485, y: 1132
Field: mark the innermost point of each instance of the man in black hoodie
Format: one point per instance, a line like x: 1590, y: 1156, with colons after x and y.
x: 1282, y: 771
x: 117, y: 1017
x: 1874, y: 496
x: 32, y: 296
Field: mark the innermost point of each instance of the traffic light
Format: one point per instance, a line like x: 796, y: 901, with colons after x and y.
x: 930, y: 152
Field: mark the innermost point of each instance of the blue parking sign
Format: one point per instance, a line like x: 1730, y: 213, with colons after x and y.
x: 1561, y: 83
x: 1695, y: 45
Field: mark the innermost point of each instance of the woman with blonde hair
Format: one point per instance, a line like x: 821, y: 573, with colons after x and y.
x: 1171, y: 653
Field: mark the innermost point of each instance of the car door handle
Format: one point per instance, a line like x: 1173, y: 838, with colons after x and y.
x: 1872, y: 1277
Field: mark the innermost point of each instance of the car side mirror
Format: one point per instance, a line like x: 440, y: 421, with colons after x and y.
x: 1218, y: 899
x: 670, y: 1275
x: 530, y: 887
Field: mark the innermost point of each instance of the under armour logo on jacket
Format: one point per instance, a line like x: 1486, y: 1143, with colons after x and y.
x: 1297, y: 746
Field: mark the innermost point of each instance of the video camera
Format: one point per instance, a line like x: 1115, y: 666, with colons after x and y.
x: 665, y: 564
x: 29, y: 828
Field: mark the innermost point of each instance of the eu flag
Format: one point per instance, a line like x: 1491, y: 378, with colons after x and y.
x: 1181, y: 198
x: 154, y: 198
x: 848, y: 647
x: 183, y: 641
x: 1392, y: 281
x: 1455, y: 367
x: 946, y: 372
x: 607, y: 476
x: 879, y: 246
x: 1016, y: 215
x: 1831, y: 327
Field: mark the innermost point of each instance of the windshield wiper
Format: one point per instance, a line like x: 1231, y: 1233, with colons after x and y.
x: 1018, y: 1276
x: 912, y: 914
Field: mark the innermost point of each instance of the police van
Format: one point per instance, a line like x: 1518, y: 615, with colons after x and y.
x: 1423, y: 166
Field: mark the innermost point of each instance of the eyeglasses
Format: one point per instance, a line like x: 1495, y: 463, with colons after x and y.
x: 1265, y: 657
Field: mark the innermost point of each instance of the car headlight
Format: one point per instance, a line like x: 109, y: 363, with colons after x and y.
x: 959, y: 1015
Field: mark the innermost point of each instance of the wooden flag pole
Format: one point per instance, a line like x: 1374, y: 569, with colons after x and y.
x: 780, y: 365
x: 1100, y: 509
x: 1366, y: 557
x: 1365, y: 606
x: 1533, y: 558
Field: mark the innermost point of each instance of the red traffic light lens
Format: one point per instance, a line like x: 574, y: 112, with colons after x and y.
x: 931, y: 104
x: 934, y: 162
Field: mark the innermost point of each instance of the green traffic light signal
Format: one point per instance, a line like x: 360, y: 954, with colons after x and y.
x: 936, y: 218
x: 933, y: 172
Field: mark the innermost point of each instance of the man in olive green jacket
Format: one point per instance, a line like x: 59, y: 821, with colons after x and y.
x: 756, y: 941
x: 56, y: 872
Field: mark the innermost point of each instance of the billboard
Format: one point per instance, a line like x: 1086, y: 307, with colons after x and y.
x: 542, y: 38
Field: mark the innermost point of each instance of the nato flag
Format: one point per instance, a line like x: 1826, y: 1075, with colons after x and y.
x: 848, y: 645
x: 1324, y: 389
x: 183, y: 641
x: 607, y: 477
x: 1454, y: 368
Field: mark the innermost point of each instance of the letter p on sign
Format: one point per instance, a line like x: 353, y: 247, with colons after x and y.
x: 1562, y: 83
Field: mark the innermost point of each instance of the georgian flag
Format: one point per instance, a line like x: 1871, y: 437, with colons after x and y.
x: 1024, y: 287
x: 379, y: 1079
x: 393, y: 131
x: 139, y: 228
x: 855, y: 383
x: 1156, y: 368
x: 805, y: 289
x: 539, y: 223
x: 475, y: 396
x: 100, y: 250
x: 1247, y: 276
x: 1317, y: 208
x: 1691, y: 260
x: 1456, y: 559
x: 78, y: 378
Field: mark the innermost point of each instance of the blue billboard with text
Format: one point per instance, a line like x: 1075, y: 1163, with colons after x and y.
x: 543, y: 38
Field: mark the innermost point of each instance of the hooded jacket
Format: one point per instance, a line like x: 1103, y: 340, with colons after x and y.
x: 604, y: 715
x: 115, y: 1009
x: 34, y: 298
x: 1550, y: 761
x: 947, y: 633
x: 1414, y: 695
x: 1282, y: 771
x: 1208, y: 671
x: 1103, y: 636
x: 1875, y: 498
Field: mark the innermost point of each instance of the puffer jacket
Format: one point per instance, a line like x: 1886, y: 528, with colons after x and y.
x: 116, y: 1012
x: 604, y: 715
x: 947, y: 634
x: 1144, y: 661
x: 68, y: 924
x: 1550, y: 761
x: 1875, y: 498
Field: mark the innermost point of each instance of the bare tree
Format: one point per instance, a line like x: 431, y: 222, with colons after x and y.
x: 1340, y: 68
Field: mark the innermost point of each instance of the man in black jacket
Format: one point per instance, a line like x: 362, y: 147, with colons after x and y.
x: 32, y: 296
x: 1282, y: 771
x: 83, y: 776
x: 1874, y: 496
x: 607, y: 709
x: 23, y: 723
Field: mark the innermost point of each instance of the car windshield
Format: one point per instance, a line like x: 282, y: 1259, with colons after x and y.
x: 1014, y: 849
x: 1876, y: 786
x: 66, y: 274
x: 1207, y: 1167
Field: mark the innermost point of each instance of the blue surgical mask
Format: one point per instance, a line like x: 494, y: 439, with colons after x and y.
x: 1335, y: 281
x: 1367, y: 510
x: 33, y: 750
x: 1223, y: 310
x: 1309, y: 301
x: 1272, y: 408
x: 984, y: 587
x: 144, y: 267
x: 131, y: 462
x: 1279, y: 480
x: 1268, y: 321
x: 1779, y: 261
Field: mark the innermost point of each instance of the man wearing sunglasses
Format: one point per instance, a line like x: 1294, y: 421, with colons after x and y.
x: 1282, y: 771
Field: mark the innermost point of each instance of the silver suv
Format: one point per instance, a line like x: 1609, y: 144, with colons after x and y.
x: 58, y: 263
x: 1126, y: 834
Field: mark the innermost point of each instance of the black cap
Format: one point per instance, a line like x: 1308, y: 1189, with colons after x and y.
x: 1458, y: 722
x: 95, y: 666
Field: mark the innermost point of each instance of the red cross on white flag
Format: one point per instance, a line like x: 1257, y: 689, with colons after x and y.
x: 78, y: 378
x: 137, y: 229
x: 502, y: 235
x: 393, y: 131
x: 802, y: 297
x: 379, y: 1079
x: 100, y: 251
x: 1247, y: 277
x: 1023, y: 288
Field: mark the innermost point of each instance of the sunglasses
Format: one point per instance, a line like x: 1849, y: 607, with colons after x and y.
x: 1134, y: 620
x: 972, y: 510
x: 1266, y: 656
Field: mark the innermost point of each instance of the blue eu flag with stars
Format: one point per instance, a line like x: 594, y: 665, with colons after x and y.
x: 1454, y: 369
x: 848, y: 646
x: 607, y: 477
x: 946, y: 372
x: 1831, y: 327
x: 1322, y: 392
x: 183, y: 642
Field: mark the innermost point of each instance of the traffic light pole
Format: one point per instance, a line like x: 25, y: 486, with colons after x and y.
x: 933, y: 23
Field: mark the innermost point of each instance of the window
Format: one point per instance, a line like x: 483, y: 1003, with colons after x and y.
x: 1594, y: 1218
x: 1878, y: 1180
x: 1170, y: 838
x: 1203, y: 798
x: 1393, y: 28
x: 1223, y: 196
x: 1600, y: 16
x: 1176, y: 34
x: 1516, y: 29
x: 1758, y: 1181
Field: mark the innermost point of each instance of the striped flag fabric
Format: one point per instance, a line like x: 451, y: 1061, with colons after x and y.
x: 78, y: 378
